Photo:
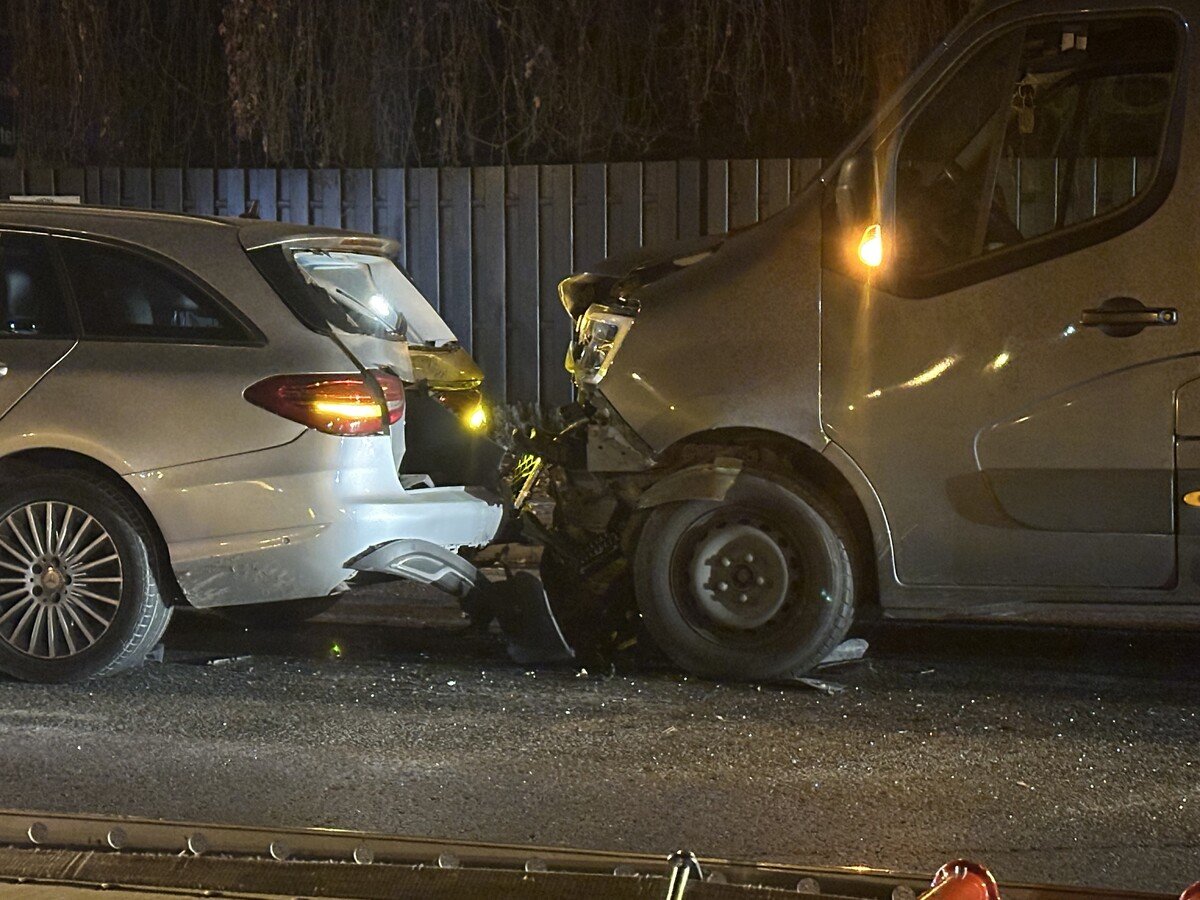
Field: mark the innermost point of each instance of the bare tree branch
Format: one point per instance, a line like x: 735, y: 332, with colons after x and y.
x: 445, y: 82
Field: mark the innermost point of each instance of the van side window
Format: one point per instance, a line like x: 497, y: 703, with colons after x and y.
x: 1044, y: 129
x: 123, y: 295
x: 32, y: 304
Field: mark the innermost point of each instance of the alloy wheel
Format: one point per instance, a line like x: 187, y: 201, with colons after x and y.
x: 60, y: 579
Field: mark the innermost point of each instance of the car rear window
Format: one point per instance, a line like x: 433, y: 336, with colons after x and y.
x: 32, y: 304
x: 121, y: 294
x: 353, y: 292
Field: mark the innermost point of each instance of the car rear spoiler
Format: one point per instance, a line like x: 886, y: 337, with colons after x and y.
x: 256, y: 233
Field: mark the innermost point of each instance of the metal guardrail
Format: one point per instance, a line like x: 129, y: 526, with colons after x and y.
x: 48, y: 847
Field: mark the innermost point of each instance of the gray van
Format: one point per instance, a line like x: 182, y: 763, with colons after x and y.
x: 958, y: 378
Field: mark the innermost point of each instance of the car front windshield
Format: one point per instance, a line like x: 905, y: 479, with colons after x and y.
x: 374, y: 295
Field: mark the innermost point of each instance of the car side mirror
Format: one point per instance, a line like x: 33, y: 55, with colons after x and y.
x: 854, y: 190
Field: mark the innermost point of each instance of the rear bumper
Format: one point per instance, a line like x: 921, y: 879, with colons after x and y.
x: 286, y: 522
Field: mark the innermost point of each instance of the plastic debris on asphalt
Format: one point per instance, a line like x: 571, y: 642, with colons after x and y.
x: 848, y: 651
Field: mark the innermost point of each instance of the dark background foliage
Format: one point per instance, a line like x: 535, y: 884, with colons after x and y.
x: 452, y: 82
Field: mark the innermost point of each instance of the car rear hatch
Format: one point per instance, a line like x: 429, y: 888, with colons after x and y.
x: 348, y: 287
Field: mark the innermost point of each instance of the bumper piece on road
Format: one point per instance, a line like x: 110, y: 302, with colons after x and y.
x: 518, y: 603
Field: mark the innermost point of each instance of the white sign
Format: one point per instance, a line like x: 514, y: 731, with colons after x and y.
x: 69, y: 199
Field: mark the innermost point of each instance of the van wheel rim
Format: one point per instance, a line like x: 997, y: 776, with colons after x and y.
x: 60, y: 580
x: 740, y: 576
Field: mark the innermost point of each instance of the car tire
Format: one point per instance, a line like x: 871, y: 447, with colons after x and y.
x: 281, y: 613
x: 758, y: 586
x: 79, y: 596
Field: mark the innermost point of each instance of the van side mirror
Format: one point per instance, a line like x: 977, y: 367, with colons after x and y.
x: 854, y: 191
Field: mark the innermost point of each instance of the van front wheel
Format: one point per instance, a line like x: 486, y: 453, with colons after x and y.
x: 756, y: 586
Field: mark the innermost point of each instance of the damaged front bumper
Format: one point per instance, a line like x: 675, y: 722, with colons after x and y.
x: 589, y: 471
x: 603, y: 482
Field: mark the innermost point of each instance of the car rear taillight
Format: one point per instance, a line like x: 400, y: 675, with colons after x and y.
x: 345, y: 405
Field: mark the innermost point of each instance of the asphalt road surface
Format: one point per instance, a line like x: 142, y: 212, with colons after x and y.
x: 1049, y: 755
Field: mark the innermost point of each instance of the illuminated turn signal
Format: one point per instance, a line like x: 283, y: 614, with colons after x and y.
x: 345, y: 405
x: 467, y: 405
x: 870, y: 248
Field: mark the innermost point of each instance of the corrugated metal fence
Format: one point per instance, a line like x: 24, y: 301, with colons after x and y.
x: 486, y: 245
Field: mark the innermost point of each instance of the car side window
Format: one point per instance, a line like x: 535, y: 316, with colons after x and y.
x: 121, y: 294
x: 32, y: 305
x: 1044, y: 129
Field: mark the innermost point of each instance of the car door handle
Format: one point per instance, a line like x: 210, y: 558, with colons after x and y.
x: 1125, y: 316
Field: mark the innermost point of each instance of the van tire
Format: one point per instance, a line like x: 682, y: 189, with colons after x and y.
x: 141, y: 615
x: 758, y: 586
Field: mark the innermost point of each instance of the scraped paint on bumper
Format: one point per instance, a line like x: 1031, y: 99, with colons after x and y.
x: 284, y: 522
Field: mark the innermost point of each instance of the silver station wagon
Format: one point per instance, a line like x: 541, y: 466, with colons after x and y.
x: 202, y: 411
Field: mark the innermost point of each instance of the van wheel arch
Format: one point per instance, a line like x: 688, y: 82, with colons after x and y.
x: 781, y: 453
x: 43, y: 459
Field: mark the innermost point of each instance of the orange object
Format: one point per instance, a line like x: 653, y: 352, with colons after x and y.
x: 964, y: 880
x: 1192, y: 892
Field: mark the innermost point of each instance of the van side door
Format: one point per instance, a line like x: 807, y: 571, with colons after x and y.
x: 1006, y: 376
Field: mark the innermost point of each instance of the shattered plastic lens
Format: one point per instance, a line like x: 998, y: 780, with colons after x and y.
x: 601, y: 331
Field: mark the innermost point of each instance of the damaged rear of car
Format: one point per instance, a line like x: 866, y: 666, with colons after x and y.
x: 212, y: 412
x: 446, y: 498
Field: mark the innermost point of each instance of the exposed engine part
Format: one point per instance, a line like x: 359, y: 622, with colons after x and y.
x: 609, y: 449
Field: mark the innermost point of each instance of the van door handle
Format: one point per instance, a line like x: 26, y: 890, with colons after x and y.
x: 1125, y: 316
